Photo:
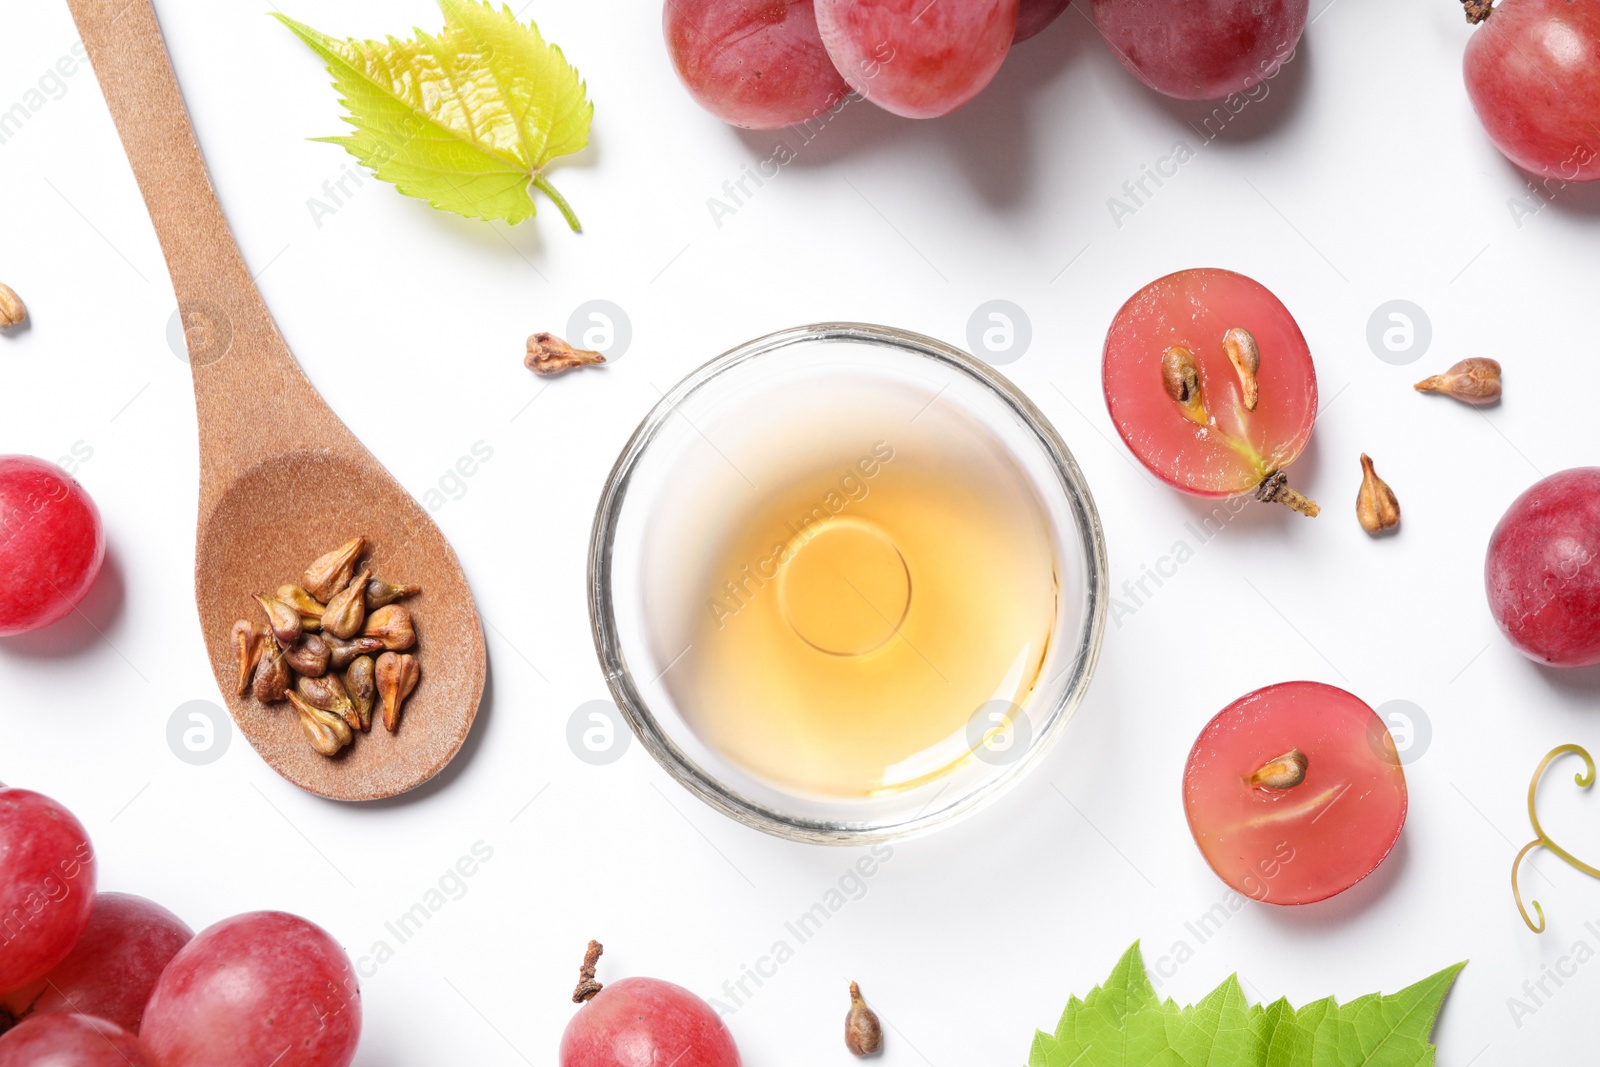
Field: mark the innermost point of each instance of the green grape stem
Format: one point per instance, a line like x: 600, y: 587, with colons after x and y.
x: 1272, y: 485
x: 541, y: 183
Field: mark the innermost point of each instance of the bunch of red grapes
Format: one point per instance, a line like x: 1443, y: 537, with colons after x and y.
x: 1532, y: 71
x: 112, y: 980
x: 764, y: 64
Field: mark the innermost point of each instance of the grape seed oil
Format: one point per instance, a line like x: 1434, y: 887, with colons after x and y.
x: 873, y: 591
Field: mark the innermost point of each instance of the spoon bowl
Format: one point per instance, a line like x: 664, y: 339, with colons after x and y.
x: 282, y: 480
x: 237, y: 556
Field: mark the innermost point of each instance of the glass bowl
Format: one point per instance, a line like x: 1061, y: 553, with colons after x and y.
x: 661, y: 483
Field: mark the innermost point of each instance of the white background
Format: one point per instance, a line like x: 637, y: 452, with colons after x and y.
x: 1362, y: 178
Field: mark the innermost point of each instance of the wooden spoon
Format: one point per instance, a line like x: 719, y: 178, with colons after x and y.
x: 282, y: 480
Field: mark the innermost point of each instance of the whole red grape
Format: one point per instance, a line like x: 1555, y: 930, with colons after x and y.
x: 47, y: 884
x: 72, y: 1041
x: 51, y: 544
x: 1533, y: 73
x: 753, y: 63
x: 112, y: 970
x: 1201, y: 49
x: 1543, y: 570
x: 916, y: 58
x: 256, y: 990
x: 636, y: 1022
x: 1034, y: 15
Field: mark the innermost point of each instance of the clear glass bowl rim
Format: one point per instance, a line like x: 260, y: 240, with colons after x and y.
x: 707, y: 787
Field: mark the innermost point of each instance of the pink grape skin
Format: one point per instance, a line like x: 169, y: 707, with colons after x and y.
x: 112, y: 970
x: 637, y: 1022
x: 47, y: 885
x: 759, y: 64
x: 1543, y: 570
x: 256, y: 990
x: 1034, y: 15
x: 917, y: 59
x: 1194, y: 309
x: 51, y: 544
x: 72, y: 1041
x: 1201, y: 49
x: 1533, y: 74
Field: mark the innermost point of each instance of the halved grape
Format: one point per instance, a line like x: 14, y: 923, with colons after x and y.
x: 72, y: 1041
x: 1201, y: 49
x: 1234, y: 449
x: 916, y: 58
x: 753, y: 63
x: 1533, y: 73
x: 1309, y: 827
x: 256, y: 990
x: 47, y: 885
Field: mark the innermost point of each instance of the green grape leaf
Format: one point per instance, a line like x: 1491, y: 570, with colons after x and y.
x: 1123, y: 1023
x: 466, y: 119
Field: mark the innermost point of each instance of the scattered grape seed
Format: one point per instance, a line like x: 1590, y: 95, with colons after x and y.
x: 1471, y: 381
x: 1377, y: 508
x: 863, y: 1034
x: 549, y: 354
x: 12, y: 310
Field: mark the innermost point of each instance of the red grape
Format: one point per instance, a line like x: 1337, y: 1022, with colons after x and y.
x: 1533, y: 73
x: 753, y: 63
x: 112, y: 970
x: 253, y: 991
x: 47, y: 879
x: 1288, y: 841
x: 1237, y: 449
x: 1201, y: 49
x: 641, y: 1021
x: 51, y: 544
x: 917, y: 58
x: 1034, y: 15
x: 1541, y: 573
x: 72, y: 1041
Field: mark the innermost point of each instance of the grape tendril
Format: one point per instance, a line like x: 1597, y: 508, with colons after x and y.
x: 1543, y: 839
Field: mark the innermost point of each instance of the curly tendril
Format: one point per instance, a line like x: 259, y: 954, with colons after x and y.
x: 1543, y: 839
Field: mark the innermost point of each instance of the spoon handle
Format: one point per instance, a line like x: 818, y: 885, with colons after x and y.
x: 252, y: 399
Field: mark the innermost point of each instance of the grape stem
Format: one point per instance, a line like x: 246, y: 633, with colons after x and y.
x: 1478, y: 10
x: 1274, y: 485
x: 587, y: 986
